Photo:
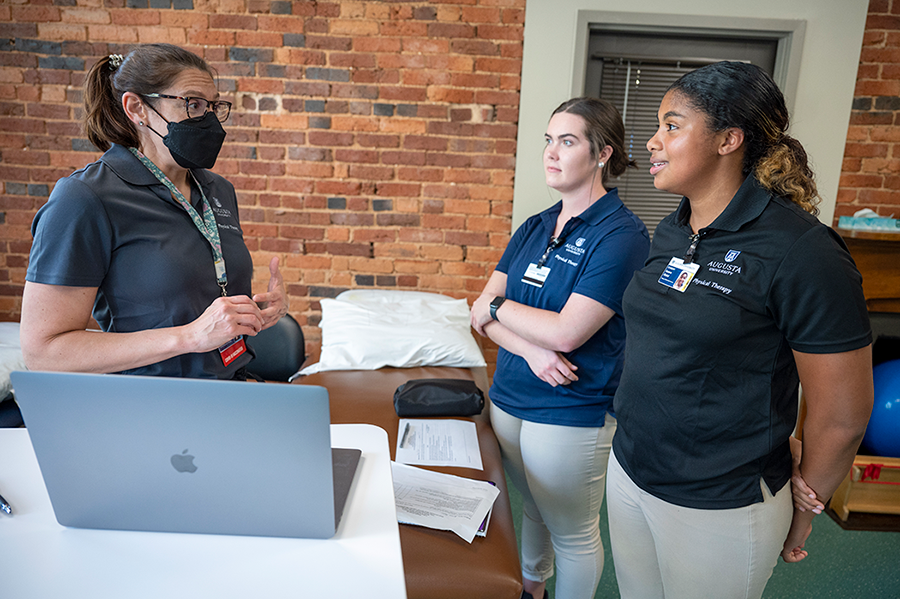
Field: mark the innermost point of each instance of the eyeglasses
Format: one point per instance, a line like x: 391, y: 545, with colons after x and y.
x: 196, y: 107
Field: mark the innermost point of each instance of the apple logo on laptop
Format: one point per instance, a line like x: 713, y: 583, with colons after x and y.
x: 184, y: 462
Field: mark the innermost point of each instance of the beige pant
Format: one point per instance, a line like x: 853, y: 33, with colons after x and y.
x: 667, y: 551
x: 560, y: 472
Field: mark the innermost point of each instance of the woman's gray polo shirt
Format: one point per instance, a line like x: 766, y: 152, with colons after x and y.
x: 114, y: 226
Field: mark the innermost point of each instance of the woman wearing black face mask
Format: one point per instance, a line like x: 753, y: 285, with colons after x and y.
x: 145, y: 239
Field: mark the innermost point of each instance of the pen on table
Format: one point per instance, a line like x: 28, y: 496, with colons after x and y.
x: 405, y: 434
x: 4, y: 505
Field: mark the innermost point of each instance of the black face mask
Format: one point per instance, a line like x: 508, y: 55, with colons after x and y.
x: 195, y: 143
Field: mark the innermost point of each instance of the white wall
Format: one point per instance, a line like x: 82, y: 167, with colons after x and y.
x: 820, y: 105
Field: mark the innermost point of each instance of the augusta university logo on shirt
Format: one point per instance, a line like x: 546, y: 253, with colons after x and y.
x: 576, y: 248
x: 726, y: 267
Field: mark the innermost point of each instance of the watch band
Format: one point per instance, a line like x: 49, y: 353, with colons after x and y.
x: 495, y: 305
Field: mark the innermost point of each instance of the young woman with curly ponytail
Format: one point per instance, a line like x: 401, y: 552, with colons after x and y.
x: 745, y: 296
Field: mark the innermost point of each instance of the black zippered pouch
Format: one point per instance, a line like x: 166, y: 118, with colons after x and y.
x: 438, y: 397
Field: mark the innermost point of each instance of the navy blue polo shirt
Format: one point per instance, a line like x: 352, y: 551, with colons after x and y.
x: 114, y: 226
x: 602, y: 247
x: 708, y: 397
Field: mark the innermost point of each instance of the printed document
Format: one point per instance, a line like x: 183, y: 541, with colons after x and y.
x: 441, y: 501
x: 432, y: 442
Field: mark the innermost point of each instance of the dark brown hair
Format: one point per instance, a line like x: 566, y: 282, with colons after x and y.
x: 602, y: 127
x: 147, y: 69
x: 742, y: 95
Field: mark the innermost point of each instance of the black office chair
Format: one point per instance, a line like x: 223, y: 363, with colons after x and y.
x: 10, y: 416
x: 280, y: 350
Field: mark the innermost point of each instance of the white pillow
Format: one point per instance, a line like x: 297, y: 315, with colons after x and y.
x: 10, y: 355
x: 370, y: 328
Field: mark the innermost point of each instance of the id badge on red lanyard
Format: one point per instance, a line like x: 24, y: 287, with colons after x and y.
x: 232, y: 350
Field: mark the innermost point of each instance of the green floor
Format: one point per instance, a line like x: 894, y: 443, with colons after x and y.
x: 842, y: 564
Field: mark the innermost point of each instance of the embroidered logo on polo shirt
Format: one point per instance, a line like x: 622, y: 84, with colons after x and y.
x: 726, y: 267
x: 220, y: 211
x: 576, y: 248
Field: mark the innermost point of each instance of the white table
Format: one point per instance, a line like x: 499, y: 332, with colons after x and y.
x: 40, y: 559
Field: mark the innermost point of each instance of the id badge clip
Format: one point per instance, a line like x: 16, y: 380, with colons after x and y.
x: 678, y: 275
x: 536, y: 275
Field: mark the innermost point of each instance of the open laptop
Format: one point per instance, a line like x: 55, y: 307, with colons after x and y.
x: 186, y: 455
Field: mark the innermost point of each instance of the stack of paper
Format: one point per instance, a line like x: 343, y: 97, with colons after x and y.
x: 441, y: 501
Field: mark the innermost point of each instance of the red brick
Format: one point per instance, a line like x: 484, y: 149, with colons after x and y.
x: 377, y: 44
x: 890, y: 54
x: 399, y: 189
x: 882, y: 22
x: 352, y: 59
x: 376, y: 76
x: 228, y: 21
x: 502, y: 65
x: 424, y: 142
x: 426, y: 46
x: 501, y: 32
x: 402, y: 94
x: 360, y: 156
x: 869, y: 150
x: 390, y: 157
x: 378, y: 141
x: 407, y: 173
x: 874, y: 38
x: 264, y: 39
x: 35, y: 14
x: 404, y: 29
x: 881, y: 196
x: 401, y: 61
x: 425, y: 77
x: 879, y: 6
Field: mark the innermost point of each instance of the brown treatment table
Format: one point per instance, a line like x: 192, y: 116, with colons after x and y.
x: 437, y: 564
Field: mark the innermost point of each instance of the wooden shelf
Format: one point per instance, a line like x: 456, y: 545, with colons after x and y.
x: 869, y: 235
x: 877, y: 256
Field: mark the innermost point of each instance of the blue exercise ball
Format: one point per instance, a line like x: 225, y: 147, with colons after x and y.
x: 883, y: 433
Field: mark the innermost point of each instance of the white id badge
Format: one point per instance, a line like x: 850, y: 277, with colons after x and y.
x: 536, y: 275
x: 678, y: 275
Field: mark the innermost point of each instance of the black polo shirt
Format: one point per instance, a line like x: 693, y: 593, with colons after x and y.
x: 708, y: 395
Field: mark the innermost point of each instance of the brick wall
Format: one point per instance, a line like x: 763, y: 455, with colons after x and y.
x: 372, y: 143
x: 870, y: 176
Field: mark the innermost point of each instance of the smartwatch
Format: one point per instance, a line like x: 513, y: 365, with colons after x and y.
x: 495, y: 305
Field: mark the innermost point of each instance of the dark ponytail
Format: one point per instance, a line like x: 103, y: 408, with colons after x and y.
x: 147, y: 69
x: 742, y: 95
x: 603, y: 127
x: 105, y: 121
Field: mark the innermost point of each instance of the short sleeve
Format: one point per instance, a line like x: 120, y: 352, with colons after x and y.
x: 816, y: 296
x: 72, y: 238
x: 611, y: 265
x: 515, y: 243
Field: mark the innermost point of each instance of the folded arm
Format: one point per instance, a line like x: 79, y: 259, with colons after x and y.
x: 562, y: 331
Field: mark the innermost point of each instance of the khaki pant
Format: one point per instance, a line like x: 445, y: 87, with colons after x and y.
x: 667, y: 551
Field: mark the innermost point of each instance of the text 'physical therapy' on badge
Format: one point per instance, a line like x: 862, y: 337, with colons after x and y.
x: 678, y: 275
x: 536, y: 275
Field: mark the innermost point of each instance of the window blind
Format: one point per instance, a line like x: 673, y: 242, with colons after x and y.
x: 636, y: 88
